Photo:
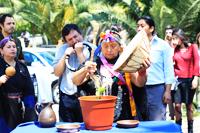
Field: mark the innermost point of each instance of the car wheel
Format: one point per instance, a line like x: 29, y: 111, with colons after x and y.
x: 55, y: 92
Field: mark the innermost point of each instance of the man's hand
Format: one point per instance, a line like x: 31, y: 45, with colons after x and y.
x: 78, y: 47
x: 167, y: 96
x: 69, y: 51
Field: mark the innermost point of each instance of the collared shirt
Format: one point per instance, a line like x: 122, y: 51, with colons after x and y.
x: 187, y: 62
x: 161, y: 69
x: 66, y: 85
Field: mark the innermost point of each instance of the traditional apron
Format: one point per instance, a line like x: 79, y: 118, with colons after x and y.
x: 127, y: 82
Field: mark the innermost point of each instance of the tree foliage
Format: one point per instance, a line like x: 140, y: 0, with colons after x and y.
x: 162, y: 16
x: 49, y: 16
x: 187, y: 14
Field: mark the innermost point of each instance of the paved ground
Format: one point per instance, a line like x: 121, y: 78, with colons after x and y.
x: 196, y: 123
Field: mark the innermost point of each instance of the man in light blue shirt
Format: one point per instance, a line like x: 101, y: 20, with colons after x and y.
x: 74, y: 53
x: 161, y: 69
x: 160, y: 74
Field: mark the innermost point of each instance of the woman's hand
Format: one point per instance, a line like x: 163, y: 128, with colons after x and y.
x: 90, y: 67
x: 195, y: 82
x: 146, y: 64
x: 84, y: 73
x: 3, y: 79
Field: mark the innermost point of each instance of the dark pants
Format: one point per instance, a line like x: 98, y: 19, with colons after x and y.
x: 172, y: 106
x: 184, y: 93
x: 14, y: 112
x: 69, y: 108
x: 140, y: 98
x: 10, y: 114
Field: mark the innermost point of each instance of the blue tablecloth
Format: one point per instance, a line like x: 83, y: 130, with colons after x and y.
x: 147, y: 126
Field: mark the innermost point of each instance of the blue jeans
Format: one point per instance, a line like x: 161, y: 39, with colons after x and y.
x: 156, y: 109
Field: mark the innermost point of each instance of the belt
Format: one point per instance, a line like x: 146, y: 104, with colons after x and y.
x: 72, y: 96
x: 156, y: 84
x: 14, y: 95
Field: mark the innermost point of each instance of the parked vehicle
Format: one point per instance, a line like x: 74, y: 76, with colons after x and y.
x: 39, y: 62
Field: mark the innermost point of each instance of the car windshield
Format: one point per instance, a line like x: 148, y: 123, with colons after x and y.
x: 47, y: 56
x: 53, y: 53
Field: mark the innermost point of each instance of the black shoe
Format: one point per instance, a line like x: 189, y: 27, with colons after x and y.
x: 190, y: 126
x: 179, y: 122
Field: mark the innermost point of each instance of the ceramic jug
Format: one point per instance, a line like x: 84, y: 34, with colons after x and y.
x: 40, y: 106
x: 46, y: 117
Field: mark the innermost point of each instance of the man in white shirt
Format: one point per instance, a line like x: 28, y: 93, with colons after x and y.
x: 75, y: 54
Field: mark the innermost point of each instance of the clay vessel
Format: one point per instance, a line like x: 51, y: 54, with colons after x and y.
x: 47, y: 117
x: 98, y: 114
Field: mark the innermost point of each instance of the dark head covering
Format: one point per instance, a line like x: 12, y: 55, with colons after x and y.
x: 5, y: 40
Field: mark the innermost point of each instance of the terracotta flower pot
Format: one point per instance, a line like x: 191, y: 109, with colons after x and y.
x: 98, y: 114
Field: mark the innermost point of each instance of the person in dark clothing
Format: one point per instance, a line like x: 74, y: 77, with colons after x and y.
x: 128, y: 105
x: 7, y: 24
x: 186, y: 68
x: 16, y: 92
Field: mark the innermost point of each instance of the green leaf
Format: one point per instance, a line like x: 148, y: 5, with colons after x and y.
x: 128, y: 2
x: 188, y: 13
x: 53, y: 16
x: 6, y: 10
x: 17, y: 5
x: 162, y: 16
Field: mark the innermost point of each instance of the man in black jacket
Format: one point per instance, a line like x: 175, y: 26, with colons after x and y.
x: 7, y: 25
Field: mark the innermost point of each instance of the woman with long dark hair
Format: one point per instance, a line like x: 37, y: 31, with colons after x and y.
x: 186, y: 67
x: 197, y: 94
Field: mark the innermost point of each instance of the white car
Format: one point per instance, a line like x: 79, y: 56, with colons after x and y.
x: 39, y: 62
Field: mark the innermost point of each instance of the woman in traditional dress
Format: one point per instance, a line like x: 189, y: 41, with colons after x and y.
x: 17, y: 91
x: 131, y: 99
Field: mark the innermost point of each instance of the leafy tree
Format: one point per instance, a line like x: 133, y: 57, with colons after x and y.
x: 187, y: 15
x: 162, y: 16
x: 49, y: 16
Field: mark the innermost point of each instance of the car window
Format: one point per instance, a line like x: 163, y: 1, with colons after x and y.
x: 53, y: 53
x: 30, y: 58
x: 47, y: 56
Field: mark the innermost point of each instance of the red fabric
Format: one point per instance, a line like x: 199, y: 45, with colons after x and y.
x: 186, y: 63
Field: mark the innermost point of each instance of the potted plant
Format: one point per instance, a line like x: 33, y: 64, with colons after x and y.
x: 98, y: 110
